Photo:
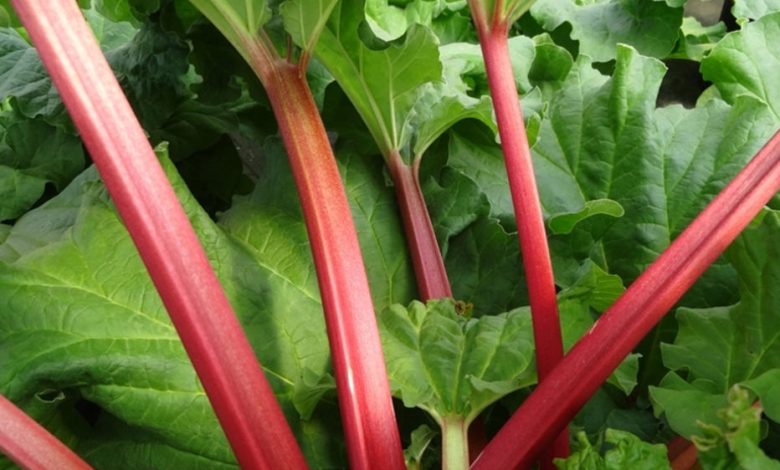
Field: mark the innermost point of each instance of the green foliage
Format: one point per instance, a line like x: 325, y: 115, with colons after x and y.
x: 735, y: 445
x: 85, y: 344
x: 625, y: 450
x: 718, y: 348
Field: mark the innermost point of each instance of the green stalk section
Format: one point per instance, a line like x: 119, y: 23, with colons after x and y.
x: 494, y: 41
x: 31, y: 446
x: 590, y: 362
x: 432, y: 281
x: 455, y: 443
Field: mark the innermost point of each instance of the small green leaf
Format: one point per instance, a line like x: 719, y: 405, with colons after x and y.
x: 421, y: 439
x: 626, y: 451
x: 564, y: 223
x: 449, y: 365
x: 735, y: 443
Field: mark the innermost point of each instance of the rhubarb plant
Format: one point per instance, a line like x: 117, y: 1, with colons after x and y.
x: 402, y: 95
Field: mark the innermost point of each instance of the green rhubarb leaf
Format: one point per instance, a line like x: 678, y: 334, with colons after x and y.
x: 735, y: 443
x: 238, y: 20
x: 754, y: 9
x: 604, y: 139
x: 390, y: 21
x: 32, y: 154
x: 454, y: 202
x: 484, y: 267
x: 421, y: 438
x: 697, y: 40
x: 745, y: 63
x: 565, y: 223
x: 380, y: 83
x: 599, y: 25
x: 82, y: 320
x: 304, y: 20
x: 268, y: 210
x: 448, y: 364
x: 405, y: 94
x: 719, y: 347
x: 151, y: 69
x: 626, y: 451
x: 23, y: 77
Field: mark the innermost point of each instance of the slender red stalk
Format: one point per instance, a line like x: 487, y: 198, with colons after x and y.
x: 31, y: 446
x: 365, y: 402
x: 525, y: 200
x: 557, y: 399
x: 432, y: 281
x: 223, y: 358
x: 682, y: 454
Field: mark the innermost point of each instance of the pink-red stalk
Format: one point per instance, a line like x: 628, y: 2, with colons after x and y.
x: 223, y: 358
x: 432, y: 281
x: 494, y: 41
x: 31, y: 446
x: 682, y: 454
x: 558, y: 398
x: 365, y: 402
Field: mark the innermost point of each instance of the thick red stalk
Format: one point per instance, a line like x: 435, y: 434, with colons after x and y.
x: 223, y: 358
x: 31, y: 446
x: 432, y: 281
x: 557, y: 399
x: 366, y: 406
x: 528, y: 212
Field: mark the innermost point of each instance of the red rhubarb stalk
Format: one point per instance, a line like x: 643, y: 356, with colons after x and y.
x: 493, y: 38
x: 432, y: 281
x: 557, y: 399
x: 361, y: 378
x: 223, y: 358
x: 31, y: 446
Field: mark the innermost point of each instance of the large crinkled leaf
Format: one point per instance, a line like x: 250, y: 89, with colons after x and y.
x: 599, y: 25
x: 604, y: 139
x: 483, y: 263
x: 746, y: 63
x: 32, y: 154
x: 626, y: 451
x: 720, y: 347
x: 151, y: 69
x: 82, y: 321
x: 451, y: 365
x: 754, y: 9
x: 443, y: 360
x: 735, y: 444
x: 23, y: 77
